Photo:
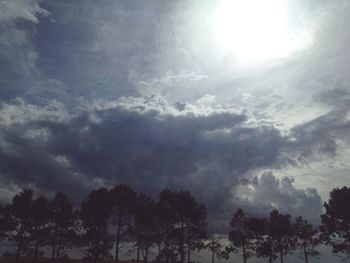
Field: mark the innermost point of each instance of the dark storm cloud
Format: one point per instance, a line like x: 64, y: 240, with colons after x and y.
x: 148, y: 150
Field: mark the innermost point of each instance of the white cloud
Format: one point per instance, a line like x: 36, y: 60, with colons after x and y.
x: 25, y: 9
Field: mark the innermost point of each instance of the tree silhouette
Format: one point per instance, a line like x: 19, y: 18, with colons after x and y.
x: 240, y: 235
x: 144, y: 224
x: 159, y: 228
x: 260, y: 241
x: 336, y: 220
x: 306, y: 238
x: 184, y: 225
x: 216, y: 249
x: 2, y: 223
x: 94, y: 214
x: 17, y: 219
x: 40, y: 219
x: 280, y: 231
x: 191, y: 226
x: 123, y: 202
x: 166, y: 223
x: 62, y: 232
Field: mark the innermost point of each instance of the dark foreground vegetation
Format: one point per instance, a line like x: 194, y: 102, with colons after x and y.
x: 174, y: 226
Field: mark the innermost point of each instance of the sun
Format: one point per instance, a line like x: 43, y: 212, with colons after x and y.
x: 256, y: 30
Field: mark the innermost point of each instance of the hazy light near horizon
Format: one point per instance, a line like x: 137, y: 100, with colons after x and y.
x: 256, y: 30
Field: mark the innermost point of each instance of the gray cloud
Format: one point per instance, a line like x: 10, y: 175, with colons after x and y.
x: 18, y: 72
x: 148, y: 145
x: 148, y: 150
x: 266, y: 192
x: 21, y: 9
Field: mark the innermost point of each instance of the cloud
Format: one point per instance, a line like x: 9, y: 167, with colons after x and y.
x: 148, y: 144
x: 266, y: 192
x: 148, y: 147
x: 28, y: 10
x: 101, y: 92
x: 18, y: 57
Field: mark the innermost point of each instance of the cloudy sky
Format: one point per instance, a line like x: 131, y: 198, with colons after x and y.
x: 179, y: 94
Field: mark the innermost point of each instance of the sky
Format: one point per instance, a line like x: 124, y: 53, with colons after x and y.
x: 157, y: 94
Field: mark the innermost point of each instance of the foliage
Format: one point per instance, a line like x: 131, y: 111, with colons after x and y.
x: 306, y: 238
x: 94, y: 214
x: 123, y: 203
x: 62, y: 225
x: 216, y: 248
x: 336, y: 220
x: 17, y: 221
x: 40, y: 220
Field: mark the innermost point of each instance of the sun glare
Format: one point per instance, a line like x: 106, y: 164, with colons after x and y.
x: 255, y: 30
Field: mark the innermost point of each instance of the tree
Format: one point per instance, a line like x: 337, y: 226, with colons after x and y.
x: 306, y: 237
x: 216, y: 249
x: 62, y: 232
x: 262, y: 241
x: 184, y: 225
x: 336, y: 220
x: 40, y: 220
x: 94, y: 214
x: 280, y: 231
x: 144, y: 228
x: 17, y: 221
x: 240, y: 235
x: 160, y: 226
x: 2, y: 223
x: 166, y: 217
x: 191, y: 227
x: 123, y: 201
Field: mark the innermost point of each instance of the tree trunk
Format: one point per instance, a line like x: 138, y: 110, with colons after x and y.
x: 36, y: 248
x: 270, y: 256
x: 146, y: 255
x: 54, y: 244
x: 58, y: 252
x: 104, y: 243
x: 53, y: 252
x: 19, y: 245
x: 96, y: 246
x: 212, y: 249
x: 281, y: 255
x: 18, y: 251
x: 159, y: 251
x: 58, y: 249
x: 118, y: 239
x: 188, y: 252
x: 306, y: 255
x: 244, y: 254
x: 182, y: 243
x: 166, y: 247
x: 138, y: 252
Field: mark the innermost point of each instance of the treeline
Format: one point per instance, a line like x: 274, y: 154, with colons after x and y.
x: 174, y: 226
